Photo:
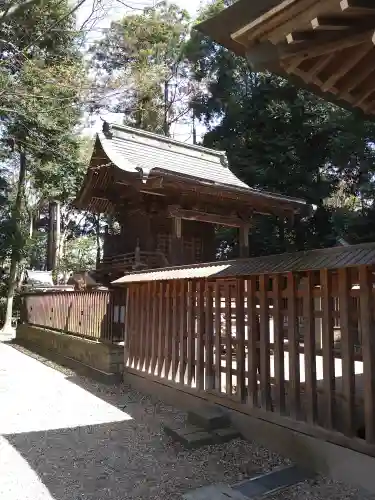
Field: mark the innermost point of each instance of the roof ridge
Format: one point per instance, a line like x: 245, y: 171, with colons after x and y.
x: 169, y: 140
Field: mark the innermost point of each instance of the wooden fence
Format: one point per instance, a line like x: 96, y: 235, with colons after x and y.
x: 97, y: 315
x: 296, y: 349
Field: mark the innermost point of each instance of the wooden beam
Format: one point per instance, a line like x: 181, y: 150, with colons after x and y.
x: 277, y: 22
x: 358, y: 54
x: 331, y: 23
x: 291, y: 65
x: 354, y: 78
x: 365, y: 92
x: 242, y: 32
x: 177, y: 243
x: 301, y: 36
x: 244, y: 240
x: 309, y: 49
x: 300, y: 16
x: 322, y: 62
x: 210, y: 218
x: 364, y: 7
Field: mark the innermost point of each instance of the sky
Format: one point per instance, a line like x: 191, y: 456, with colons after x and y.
x: 112, y: 10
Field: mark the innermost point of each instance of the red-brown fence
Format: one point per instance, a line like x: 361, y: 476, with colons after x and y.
x: 97, y: 314
x: 296, y: 349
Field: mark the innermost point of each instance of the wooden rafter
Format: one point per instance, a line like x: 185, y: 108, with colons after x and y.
x: 330, y: 23
x: 364, y: 92
x: 306, y: 11
x: 357, y: 7
x: 308, y: 49
x: 322, y: 62
x: 349, y: 64
x: 359, y: 73
x: 292, y: 64
x: 222, y: 220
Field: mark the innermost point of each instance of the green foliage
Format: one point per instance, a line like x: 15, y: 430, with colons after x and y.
x: 41, y: 81
x: 79, y: 255
x: 143, y: 55
x: 284, y: 140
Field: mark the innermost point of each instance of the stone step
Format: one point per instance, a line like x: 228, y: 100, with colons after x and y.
x: 209, y: 418
x: 225, y: 435
x: 190, y: 436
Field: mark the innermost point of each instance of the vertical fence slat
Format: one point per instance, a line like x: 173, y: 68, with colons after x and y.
x: 161, y: 322
x: 310, y: 351
x: 217, y: 295
x: 209, y: 337
x: 168, y: 331
x: 347, y: 350
x: 327, y: 343
x: 183, y: 330
x: 175, y: 329
x: 147, y: 337
x: 191, y: 332
x: 368, y: 349
x: 154, y: 326
x: 200, y: 336
x: 278, y: 332
x: 293, y: 348
x: 228, y: 339
x: 252, y: 335
x: 264, y: 325
x: 142, y: 320
x: 128, y: 327
x: 240, y: 338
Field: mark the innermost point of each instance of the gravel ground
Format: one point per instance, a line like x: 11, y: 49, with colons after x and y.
x: 66, y: 437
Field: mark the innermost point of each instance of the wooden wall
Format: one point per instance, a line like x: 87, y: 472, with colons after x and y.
x: 154, y: 233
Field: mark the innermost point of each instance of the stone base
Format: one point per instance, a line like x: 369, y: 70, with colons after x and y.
x: 7, y: 335
x: 209, y: 418
x: 192, y: 436
x: 91, y: 358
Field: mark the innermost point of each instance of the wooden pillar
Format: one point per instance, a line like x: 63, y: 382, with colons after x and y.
x: 177, y: 246
x: 244, y: 240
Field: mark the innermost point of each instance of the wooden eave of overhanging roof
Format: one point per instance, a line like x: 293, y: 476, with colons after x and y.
x: 326, y: 46
x: 104, y: 176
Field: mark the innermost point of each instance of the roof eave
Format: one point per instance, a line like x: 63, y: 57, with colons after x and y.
x: 222, y: 26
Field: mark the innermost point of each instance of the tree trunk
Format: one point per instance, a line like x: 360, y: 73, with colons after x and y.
x: 56, y: 239
x: 16, y: 248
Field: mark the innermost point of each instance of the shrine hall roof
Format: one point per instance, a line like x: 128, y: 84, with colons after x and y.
x: 147, y: 154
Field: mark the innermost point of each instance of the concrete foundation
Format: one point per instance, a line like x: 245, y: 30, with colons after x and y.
x: 106, y: 359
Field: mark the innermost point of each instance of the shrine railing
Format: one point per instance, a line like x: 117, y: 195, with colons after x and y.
x: 133, y: 261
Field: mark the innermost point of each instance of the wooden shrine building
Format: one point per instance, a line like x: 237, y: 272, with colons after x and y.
x: 326, y: 46
x: 166, y: 198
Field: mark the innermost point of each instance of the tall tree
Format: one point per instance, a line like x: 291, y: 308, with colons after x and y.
x: 143, y: 56
x: 282, y: 139
x: 40, y: 80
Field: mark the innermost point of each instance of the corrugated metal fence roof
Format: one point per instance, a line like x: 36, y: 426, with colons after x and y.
x: 327, y: 258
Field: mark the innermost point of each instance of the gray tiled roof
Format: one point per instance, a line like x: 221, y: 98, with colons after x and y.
x: 327, y: 258
x: 134, y: 150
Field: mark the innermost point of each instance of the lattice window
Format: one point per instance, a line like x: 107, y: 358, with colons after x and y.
x: 164, y: 243
x: 198, y: 249
x: 193, y: 249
